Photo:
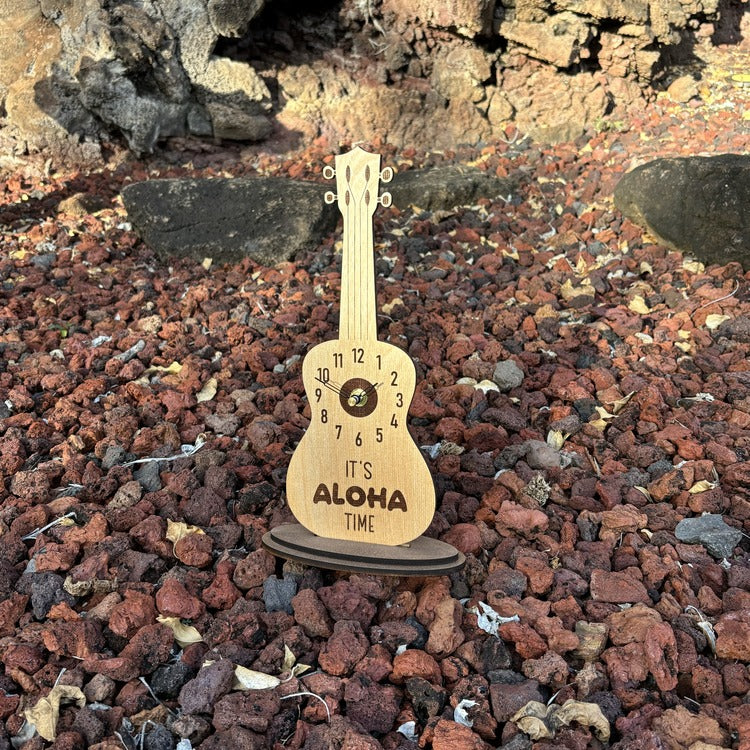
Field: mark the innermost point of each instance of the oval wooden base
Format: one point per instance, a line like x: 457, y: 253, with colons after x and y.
x: 422, y: 557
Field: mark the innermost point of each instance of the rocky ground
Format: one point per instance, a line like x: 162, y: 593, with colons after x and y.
x: 138, y: 608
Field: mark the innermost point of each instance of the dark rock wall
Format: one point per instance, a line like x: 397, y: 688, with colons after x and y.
x: 426, y: 73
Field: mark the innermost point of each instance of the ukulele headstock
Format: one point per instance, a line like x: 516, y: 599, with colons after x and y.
x: 358, y: 177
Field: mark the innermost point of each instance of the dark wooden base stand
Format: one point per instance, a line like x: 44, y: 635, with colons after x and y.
x: 422, y: 557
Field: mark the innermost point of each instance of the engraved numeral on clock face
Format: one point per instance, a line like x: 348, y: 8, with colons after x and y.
x: 358, y: 353
x: 338, y: 359
x: 394, y: 377
x: 399, y: 399
x: 318, y: 395
x: 324, y: 374
x: 394, y: 421
x: 324, y: 416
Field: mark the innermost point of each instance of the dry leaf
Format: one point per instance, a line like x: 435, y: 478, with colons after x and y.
x: 486, y: 385
x: 638, y: 305
x: 460, y: 716
x: 714, y: 321
x: 183, y: 634
x: 249, y: 679
x: 46, y: 712
x: 569, y: 292
x: 409, y: 730
x: 644, y: 492
x: 555, y: 439
x: 588, y: 714
x: 206, y: 263
x: 693, y: 266
x: 701, y: 486
x: 208, y: 391
x: 601, y: 422
x: 489, y: 620
x: 177, y: 530
x: 387, y: 308
x: 532, y: 719
x: 541, y: 722
x: 621, y: 402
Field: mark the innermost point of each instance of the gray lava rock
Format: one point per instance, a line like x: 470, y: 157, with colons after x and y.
x: 199, y: 696
x: 167, y: 680
x: 278, y: 594
x: 446, y: 187
x: 148, y: 476
x: 267, y: 219
x: 712, y: 532
x: 697, y: 204
x: 45, y: 590
x: 158, y: 737
x: 507, y: 375
x: 540, y: 455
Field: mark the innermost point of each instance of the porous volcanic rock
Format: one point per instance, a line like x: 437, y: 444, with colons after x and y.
x: 696, y: 204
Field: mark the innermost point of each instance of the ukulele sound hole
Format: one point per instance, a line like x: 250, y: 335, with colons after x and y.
x: 358, y: 397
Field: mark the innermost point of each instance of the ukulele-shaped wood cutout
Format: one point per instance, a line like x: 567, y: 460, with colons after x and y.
x: 357, y: 474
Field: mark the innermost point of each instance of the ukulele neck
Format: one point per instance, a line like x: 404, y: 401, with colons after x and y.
x: 358, y: 315
x: 357, y: 181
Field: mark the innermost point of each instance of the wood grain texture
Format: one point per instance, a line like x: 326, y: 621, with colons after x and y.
x: 357, y: 474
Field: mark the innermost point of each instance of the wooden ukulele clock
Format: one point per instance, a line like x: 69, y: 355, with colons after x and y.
x: 357, y: 483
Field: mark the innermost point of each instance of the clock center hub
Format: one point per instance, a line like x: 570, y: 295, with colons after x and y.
x: 358, y: 397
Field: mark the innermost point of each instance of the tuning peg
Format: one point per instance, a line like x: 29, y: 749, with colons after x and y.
x: 386, y: 175
x: 330, y: 197
x: 385, y: 200
x: 329, y: 172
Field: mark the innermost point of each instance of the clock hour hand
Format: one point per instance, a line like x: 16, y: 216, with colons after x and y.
x: 328, y: 384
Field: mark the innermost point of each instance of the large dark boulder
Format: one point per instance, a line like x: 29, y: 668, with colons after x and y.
x: 264, y: 218
x: 698, y: 205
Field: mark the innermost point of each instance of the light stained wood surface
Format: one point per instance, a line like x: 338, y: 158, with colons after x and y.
x: 357, y: 474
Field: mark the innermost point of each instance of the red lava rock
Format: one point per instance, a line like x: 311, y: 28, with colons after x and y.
x: 528, y: 522
x: 550, y: 669
x: 56, y: 557
x: 415, y: 663
x: 345, y: 601
x: 618, y: 588
x: 311, y: 614
x: 428, y: 599
x: 195, y: 550
x: 221, y: 594
x: 526, y: 640
x: 733, y: 635
x: 254, y: 569
x: 344, y: 648
x: 8, y: 704
x: 465, y: 537
x: 10, y: 611
x: 371, y: 705
x: 540, y: 575
x: 78, y: 638
x: 133, y: 613
x: 660, y: 649
x: 376, y: 665
x: 445, y: 630
x: 212, y: 682
x: 149, y: 647
x: 117, y: 668
x: 149, y: 535
x: 174, y: 600
x: 448, y: 735
x: 681, y: 728
x: 252, y: 710
x: 506, y: 698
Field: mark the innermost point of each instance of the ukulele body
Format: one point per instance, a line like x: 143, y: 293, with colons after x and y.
x: 357, y: 474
